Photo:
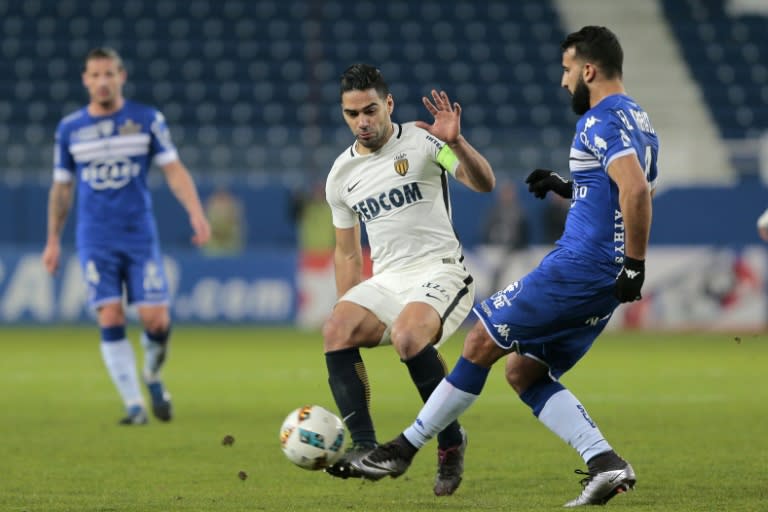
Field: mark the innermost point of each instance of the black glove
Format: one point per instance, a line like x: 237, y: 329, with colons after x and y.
x: 541, y: 181
x: 630, y: 280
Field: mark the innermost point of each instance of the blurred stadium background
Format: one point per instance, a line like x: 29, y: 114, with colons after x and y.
x: 250, y: 90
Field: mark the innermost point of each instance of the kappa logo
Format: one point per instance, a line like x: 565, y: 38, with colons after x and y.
x: 593, y: 320
x: 631, y: 273
x: 352, y: 186
x: 502, y: 330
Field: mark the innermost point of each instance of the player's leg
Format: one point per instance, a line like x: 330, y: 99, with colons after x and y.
x: 534, y: 377
x: 155, y: 341
x: 436, y: 308
x: 102, y: 270
x: 147, y: 288
x: 350, y: 327
x: 117, y: 353
x: 488, y: 341
x: 454, y: 395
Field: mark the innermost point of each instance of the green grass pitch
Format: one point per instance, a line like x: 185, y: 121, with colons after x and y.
x: 690, y: 411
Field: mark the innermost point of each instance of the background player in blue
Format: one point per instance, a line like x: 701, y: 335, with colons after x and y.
x: 106, y: 148
x: 549, y: 319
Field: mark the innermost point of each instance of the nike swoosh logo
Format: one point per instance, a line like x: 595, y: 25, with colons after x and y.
x: 433, y: 297
x: 352, y: 187
x: 620, y: 474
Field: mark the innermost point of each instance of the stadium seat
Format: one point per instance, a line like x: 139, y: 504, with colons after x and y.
x: 221, y: 68
x: 731, y: 68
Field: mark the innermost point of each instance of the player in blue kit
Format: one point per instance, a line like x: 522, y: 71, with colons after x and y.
x: 106, y: 149
x: 545, y: 322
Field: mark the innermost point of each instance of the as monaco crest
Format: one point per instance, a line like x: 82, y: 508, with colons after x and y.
x: 401, y: 165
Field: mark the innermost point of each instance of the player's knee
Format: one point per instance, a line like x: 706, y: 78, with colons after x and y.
x: 515, y: 379
x: 111, y: 315
x: 406, y: 342
x: 480, y: 348
x: 157, y: 323
x: 523, y: 373
x: 335, y: 335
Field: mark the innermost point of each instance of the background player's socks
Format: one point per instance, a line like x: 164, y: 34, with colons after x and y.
x: 136, y: 416
x: 155, y: 352
x: 119, y: 359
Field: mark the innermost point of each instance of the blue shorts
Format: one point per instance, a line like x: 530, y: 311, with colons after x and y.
x: 138, y: 271
x: 554, y: 313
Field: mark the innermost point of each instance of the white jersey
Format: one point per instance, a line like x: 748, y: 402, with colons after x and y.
x: 401, y: 194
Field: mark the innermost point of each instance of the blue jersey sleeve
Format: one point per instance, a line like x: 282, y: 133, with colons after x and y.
x: 609, y: 140
x: 63, y: 163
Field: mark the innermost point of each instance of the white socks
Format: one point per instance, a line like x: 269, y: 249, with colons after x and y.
x: 121, y: 365
x: 567, y: 418
x: 445, y: 404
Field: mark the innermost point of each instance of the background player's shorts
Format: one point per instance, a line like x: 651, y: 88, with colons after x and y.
x: 139, y: 269
x: 447, y: 287
x: 554, y: 313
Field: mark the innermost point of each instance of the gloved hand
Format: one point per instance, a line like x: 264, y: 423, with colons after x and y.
x: 541, y: 181
x: 630, y: 280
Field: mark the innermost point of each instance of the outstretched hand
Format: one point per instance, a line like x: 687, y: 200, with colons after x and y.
x: 447, y: 124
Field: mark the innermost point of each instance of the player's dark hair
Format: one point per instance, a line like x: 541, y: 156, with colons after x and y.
x: 361, y: 77
x: 599, y: 46
x: 103, y: 52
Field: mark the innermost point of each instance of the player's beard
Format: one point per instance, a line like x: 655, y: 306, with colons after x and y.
x: 376, y: 142
x: 372, y: 144
x: 580, y: 98
x: 107, y: 99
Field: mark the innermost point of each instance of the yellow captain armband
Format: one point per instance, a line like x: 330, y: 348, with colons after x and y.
x: 448, y: 159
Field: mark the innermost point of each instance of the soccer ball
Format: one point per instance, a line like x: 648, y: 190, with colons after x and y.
x: 312, y: 437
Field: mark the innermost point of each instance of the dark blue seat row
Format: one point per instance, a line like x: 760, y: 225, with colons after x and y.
x: 728, y: 56
x: 249, y: 85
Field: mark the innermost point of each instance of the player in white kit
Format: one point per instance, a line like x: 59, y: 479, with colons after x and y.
x: 394, y: 179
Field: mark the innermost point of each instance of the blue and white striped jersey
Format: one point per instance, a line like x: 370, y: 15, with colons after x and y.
x: 110, y: 157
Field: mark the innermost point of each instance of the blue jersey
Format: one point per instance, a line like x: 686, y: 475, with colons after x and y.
x: 594, y: 227
x: 110, y: 157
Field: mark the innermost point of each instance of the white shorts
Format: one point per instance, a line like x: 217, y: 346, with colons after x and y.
x: 447, y: 287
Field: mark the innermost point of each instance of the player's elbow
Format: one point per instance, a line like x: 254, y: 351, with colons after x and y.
x: 488, y: 183
x: 483, y: 183
x: 637, y: 191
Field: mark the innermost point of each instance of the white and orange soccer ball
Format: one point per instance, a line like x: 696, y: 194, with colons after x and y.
x: 312, y: 437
